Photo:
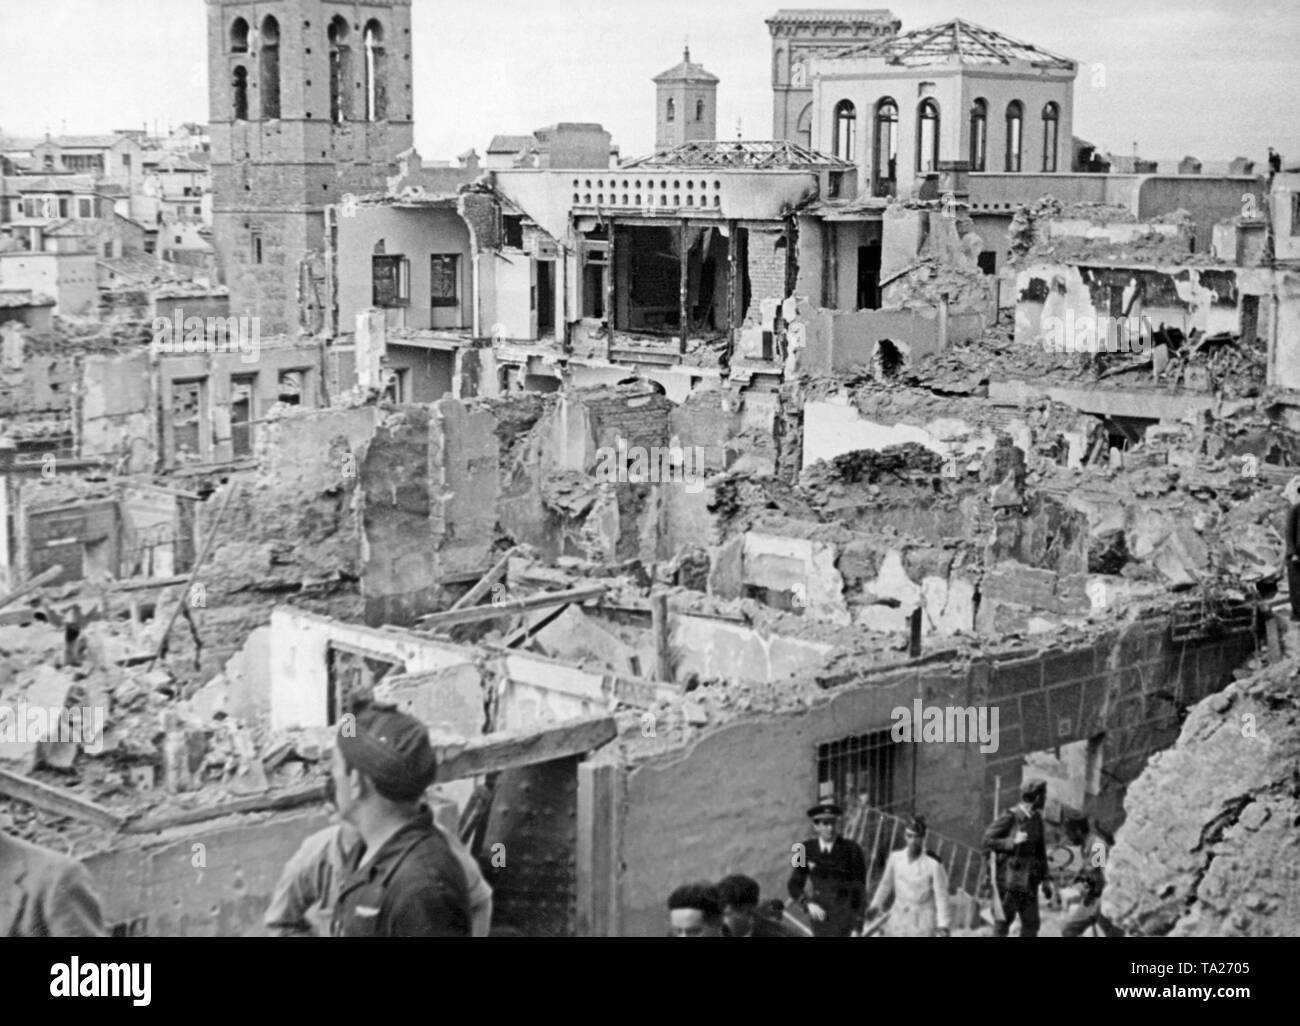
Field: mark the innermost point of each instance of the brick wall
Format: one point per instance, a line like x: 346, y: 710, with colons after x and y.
x: 767, y: 271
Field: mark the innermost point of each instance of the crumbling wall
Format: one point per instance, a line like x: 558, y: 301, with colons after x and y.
x: 117, y: 411
x: 739, y: 786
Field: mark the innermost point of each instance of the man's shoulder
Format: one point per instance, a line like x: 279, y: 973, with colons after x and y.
x: 22, y: 858
x: 430, y: 856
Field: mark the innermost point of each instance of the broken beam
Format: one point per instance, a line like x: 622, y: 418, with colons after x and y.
x: 41, y: 579
x: 308, y: 795
x: 475, y: 595
x: 507, y: 750
x: 551, y: 598
x: 57, y: 801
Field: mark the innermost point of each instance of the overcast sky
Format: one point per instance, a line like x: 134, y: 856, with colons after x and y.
x: 1214, y: 78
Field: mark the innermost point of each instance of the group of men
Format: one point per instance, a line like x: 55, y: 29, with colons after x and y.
x: 830, y: 874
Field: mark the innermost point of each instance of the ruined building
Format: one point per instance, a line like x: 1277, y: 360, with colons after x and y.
x: 308, y: 104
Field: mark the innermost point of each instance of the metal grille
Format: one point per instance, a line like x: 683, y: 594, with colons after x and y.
x: 865, y: 768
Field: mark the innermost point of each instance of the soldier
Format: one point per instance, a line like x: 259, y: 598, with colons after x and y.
x: 402, y: 879
x: 919, y: 885
x: 838, y: 871
x: 1017, y: 838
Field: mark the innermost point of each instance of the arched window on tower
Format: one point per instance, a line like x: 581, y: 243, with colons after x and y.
x: 340, y: 71
x: 239, y: 36
x: 1051, y: 124
x: 240, y: 86
x: 1015, y: 134
x: 846, y: 130
x: 672, y: 109
x: 269, y: 57
x: 699, y: 110
x: 979, y: 135
x: 884, y: 164
x: 376, y: 72
x: 927, y: 137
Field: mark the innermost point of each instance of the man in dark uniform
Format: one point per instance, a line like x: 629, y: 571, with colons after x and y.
x: 838, y: 871
x: 739, y: 895
x: 402, y: 880
x: 1017, y: 838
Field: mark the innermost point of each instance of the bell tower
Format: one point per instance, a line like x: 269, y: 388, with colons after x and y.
x: 686, y: 103
x: 309, y: 100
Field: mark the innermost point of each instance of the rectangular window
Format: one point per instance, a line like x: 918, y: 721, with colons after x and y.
x: 864, y: 767
x: 257, y: 248
x: 512, y: 227
x: 1295, y: 214
x: 108, y: 251
x: 64, y: 206
x: 85, y: 207
x: 444, y: 279
x: 126, y: 161
x: 390, y: 281
x: 243, y: 400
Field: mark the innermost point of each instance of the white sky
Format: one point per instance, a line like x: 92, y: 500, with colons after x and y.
x: 1214, y: 78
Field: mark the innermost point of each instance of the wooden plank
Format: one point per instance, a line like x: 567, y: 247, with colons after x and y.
x: 148, y: 583
x: 40, y: 580
x: 525, y: 632
x: 494, y: 753
x: 57, y: 801
x: 309, y: 795
x: 476, y: 594
x: 553, y: 598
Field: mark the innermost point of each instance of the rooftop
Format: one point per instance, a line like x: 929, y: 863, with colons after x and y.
x: 833, y: 15
x: 739, y: 154
x: 969, y: 43
x: 687, y: 71
x: 509, y: 143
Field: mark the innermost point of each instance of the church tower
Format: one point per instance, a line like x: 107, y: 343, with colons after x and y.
x: 686, y: 104
x: 310, y: 100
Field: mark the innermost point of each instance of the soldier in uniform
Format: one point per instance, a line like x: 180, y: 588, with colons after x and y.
x: 837, y: 871
x: 919, y: 885
x: 45, y: 894
x: 1017, y: 839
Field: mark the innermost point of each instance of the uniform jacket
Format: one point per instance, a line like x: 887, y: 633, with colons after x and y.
x: 920, y: 890
x: 45, y: 894
x: 838, y: 880
x: 413, y: 887
x: 1021, y: 867
x: 304, y: 898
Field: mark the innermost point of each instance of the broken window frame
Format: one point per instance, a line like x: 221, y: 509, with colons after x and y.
x: 392, y: 291
x: 341, y: 656
x: 201, y: 420
x: 246, y: 428
x: 444, y: 281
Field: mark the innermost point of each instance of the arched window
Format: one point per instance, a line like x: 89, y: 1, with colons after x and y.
x: 803, y: 127
x: 927, y: 137
x: 240, y: 85
x: 340, y: 71
x: 239, y: 36
x: 699, y: 110
x: 269, y: 57
x: 1051, y: 125
x: 376, y: 72
x: 846, y: 130
x: 672, y: 109
x: 884, y: 164
x: 1015, y: 134
x: 979, y: 135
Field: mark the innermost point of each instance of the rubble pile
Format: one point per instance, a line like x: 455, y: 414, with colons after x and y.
x: 1211, y: 846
